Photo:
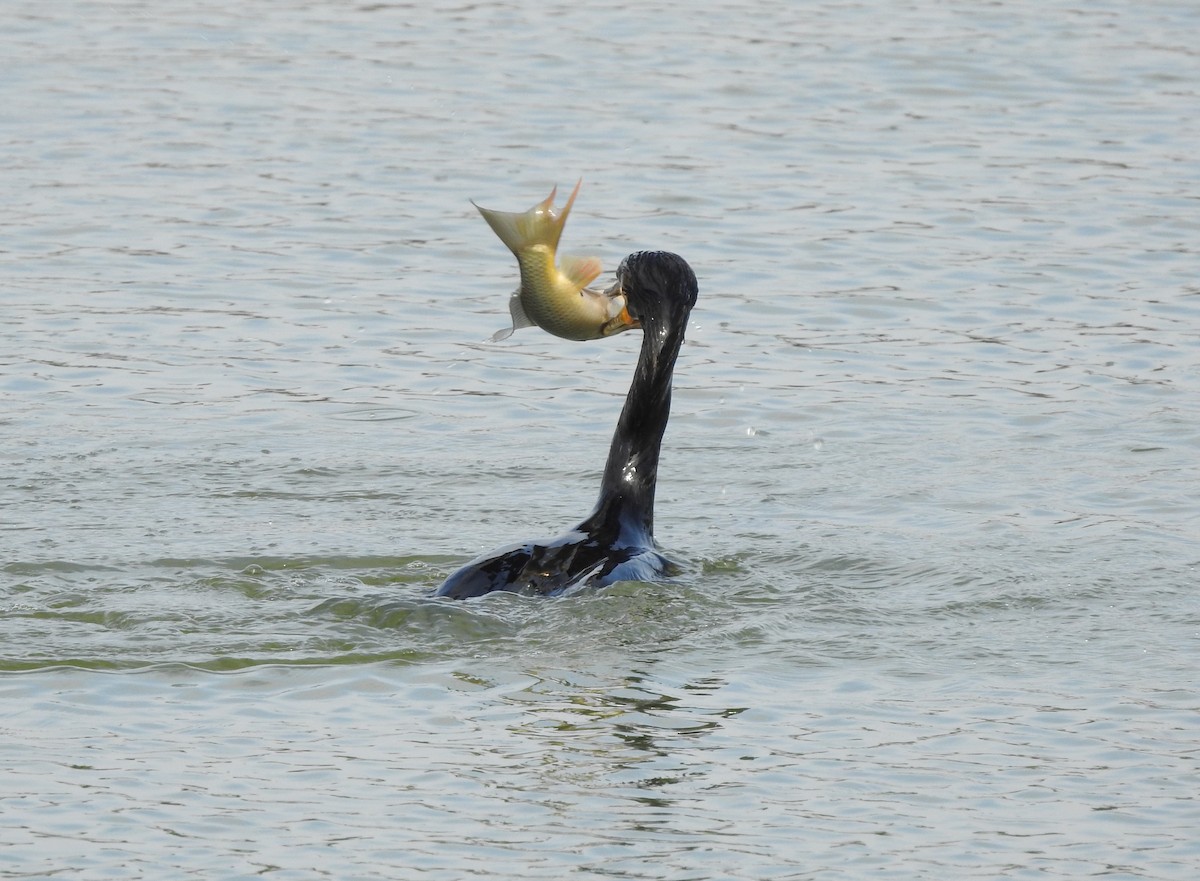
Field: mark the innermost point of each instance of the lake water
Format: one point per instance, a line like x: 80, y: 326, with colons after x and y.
x: 932, y: 469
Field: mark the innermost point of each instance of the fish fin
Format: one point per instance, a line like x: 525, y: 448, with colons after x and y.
x: 517, y: 310
x: 540, y: 225
x: 566, y: 209
x: 581, y: 270
x: 519, y: 318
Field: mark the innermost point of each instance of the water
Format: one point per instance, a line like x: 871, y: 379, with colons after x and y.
x: 931, y: 469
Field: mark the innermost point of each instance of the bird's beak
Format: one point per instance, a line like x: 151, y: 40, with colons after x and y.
x: 623, y: 320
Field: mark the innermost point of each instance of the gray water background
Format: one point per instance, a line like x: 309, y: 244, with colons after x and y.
x: 932, y: 467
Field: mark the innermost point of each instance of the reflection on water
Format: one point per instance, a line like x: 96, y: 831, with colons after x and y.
x: 930, y: 469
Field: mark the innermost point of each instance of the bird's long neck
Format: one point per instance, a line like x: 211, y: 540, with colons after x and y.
x: 627, y: 490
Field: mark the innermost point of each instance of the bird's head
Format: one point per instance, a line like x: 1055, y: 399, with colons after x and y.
x: 659, y: 287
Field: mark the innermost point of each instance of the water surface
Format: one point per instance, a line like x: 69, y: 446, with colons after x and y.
x: 931, y: 469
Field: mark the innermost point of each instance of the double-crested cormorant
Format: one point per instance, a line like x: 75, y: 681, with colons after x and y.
x: 616, y: 541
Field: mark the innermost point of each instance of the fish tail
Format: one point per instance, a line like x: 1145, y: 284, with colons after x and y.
x: 540, y: 225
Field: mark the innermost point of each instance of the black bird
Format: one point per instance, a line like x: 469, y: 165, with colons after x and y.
x: 616, y: 541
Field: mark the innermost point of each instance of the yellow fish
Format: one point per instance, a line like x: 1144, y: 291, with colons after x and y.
x: 558, y: 301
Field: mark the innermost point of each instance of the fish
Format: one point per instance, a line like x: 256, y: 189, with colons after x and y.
x: 555, y: 298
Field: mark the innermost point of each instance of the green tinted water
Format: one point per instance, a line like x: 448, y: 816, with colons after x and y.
x: 930, y: 470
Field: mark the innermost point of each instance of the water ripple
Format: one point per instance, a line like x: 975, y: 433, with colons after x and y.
x: 930, y: 468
